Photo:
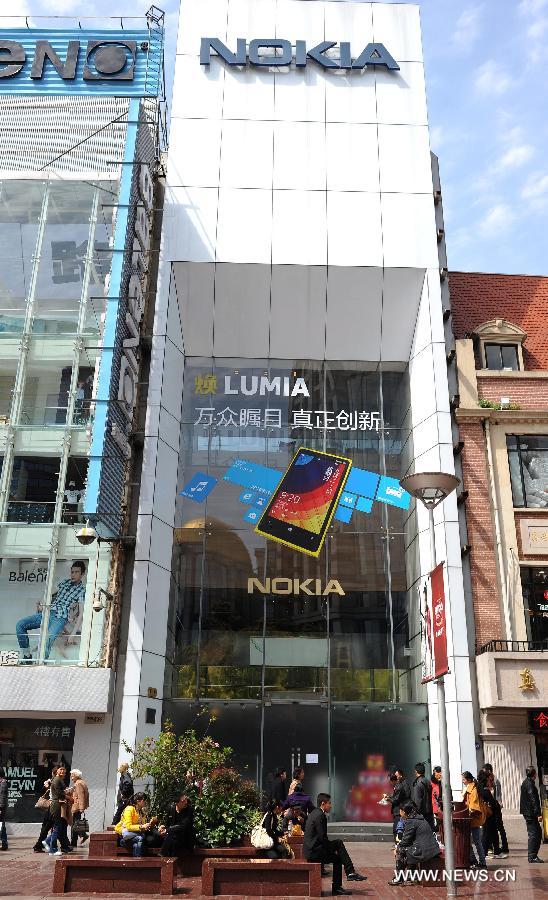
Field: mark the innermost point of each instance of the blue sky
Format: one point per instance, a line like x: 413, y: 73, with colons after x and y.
x: 487, y: 97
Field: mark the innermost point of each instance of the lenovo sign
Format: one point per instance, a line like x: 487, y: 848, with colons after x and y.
x: 267, y: 52
x: 104, y: 60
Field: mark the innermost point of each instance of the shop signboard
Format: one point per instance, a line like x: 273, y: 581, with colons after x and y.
x: 28, y: 750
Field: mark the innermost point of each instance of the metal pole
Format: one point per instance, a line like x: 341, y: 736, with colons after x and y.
x: 447, y: 794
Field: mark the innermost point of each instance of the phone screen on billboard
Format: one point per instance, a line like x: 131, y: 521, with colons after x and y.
x: 303, y: 504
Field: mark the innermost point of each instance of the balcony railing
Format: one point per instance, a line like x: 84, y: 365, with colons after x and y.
x: 32, y: 512
x: 513, y: 647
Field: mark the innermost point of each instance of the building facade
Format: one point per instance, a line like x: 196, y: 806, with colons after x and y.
x: 79, y: 155
x: 502, y: 416
x: 298, y: 371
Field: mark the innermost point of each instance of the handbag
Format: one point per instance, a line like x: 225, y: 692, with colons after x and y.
x: 80, y: 826
x: 260, y: 838
x: 43, y: 802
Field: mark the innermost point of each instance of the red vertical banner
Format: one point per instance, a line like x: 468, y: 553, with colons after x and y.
x: 434, y: 627
x: 439, y: 621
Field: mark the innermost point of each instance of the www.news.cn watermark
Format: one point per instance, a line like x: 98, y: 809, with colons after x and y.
x: 458, y: 875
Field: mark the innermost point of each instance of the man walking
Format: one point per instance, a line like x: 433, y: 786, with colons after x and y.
x: 496, y: 790
x: 3, y: 808
x: 421, y: 795
x: 401, y: 793
x: 70, y: 591
x: 529, y: 807
x: 317, y: 847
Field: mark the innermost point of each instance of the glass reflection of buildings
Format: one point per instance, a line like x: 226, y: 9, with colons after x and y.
x: 305, y: 660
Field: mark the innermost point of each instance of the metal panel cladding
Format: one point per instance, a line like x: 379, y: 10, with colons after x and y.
x: 120, y: 63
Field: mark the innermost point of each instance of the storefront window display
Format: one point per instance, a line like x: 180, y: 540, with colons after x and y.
x: 291, y: 583
x: 22, y: 590
x: 28, y: 750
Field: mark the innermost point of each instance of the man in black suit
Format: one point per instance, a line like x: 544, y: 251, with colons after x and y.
x: 317, y: 847
x: 529, y: 807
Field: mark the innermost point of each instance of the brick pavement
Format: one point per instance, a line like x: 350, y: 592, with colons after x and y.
x: 29, y: 875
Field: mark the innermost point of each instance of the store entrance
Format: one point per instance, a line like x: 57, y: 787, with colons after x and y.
x: 296, y: 734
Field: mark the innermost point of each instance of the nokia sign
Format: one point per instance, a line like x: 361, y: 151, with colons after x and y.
x: 104, y: 60
x: 267, y: 52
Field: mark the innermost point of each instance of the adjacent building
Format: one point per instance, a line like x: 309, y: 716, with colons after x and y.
x: 502, y: 415
x: 79, y: 154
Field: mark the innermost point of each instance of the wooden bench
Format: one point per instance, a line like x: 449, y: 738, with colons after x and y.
x: 148, y: 875
x: 261, y: 878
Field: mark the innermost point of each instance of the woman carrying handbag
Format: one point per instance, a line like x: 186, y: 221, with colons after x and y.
x: 80, y: 803
x: 44, y: 803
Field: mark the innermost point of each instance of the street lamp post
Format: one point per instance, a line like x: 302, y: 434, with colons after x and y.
x: 431, y: 488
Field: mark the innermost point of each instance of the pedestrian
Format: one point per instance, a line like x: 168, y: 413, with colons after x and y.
x: 125, y: 791
x: 317, y: 847
x: 80, y: 802
x: 418, y: 842
x: 178, y: 828
x: 437, y: 797
x: 496, y: 790
x: 3, y: 809
x: 279, y: 791
x: 60, y: 802
x: 401, y: 793
x: 421, y: 794
x: 298, y: 778
x: 47, y: 821
x: 133, y: 827
x: 273, y: 827
x: 489, y: 834
x: 477, y: 815
x: 529, y: 807
x: 300, y: 799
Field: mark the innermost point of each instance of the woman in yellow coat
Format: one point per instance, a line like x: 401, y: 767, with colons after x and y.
x: 132, y: 827
x: 470, y: 796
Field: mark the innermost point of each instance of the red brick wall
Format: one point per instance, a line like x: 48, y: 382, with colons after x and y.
x: 478, y: 297
x: 483, y: 567
x: 528, y: 393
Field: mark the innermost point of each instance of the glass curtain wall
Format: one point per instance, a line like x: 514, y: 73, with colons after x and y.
x: 284, y: 646
x: 55, y: 255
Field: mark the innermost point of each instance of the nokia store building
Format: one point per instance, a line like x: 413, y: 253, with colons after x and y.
x: 298, y: 372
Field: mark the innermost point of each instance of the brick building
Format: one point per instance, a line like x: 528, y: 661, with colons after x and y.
x: 501, y: 410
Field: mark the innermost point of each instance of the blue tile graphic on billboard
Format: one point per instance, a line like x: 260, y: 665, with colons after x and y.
x: 253, y: 515
x: 391, y: 492
x: 348, y: 499
x: 199, y: 486
x: 363, y: 504
x: 343, y: 514
x: 362, y: 482
x: 251, y: 475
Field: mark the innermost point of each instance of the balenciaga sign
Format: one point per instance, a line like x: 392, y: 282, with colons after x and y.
x: 267, y: 52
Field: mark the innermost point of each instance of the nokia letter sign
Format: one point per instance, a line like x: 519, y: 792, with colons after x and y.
x: 279, y: 52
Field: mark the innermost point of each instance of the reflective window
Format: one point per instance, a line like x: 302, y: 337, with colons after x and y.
x: 501, y: 356
x: 534, y: 584
x: 528, y: 462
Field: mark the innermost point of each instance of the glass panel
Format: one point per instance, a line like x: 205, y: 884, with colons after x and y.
x: 509, y: 353
x: 514, y: 463
x: 367, y: 742
x: 46, y: 393
x: 20, y: 210
x: 33, y: 489
x: 492, y: 356
x: 297, y: 735
x: 75, y: 489
x: 534, y: 465
x: 534, y: 583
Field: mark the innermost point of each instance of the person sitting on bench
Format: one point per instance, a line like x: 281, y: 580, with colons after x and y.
x: 132, y: 827
x: 317, y: 847
x: 178, y: 830
x: 418, y: 843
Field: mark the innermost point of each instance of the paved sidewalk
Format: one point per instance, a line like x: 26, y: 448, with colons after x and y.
x: 30, y: 875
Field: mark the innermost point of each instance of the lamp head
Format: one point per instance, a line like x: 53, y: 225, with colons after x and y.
x: 431, y: 488
x: 86, y: 535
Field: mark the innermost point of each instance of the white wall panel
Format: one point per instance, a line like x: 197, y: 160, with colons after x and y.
x: 404, y: 156
x: 349, y: 22
x: 409, y: 231
x: 196, y: 150
x: 248, y: 94
x: 250, y: 20
x: 242, y: 303
x: 295, y: 21
x: 299, y: 229
x: 195, y: 292
x: 400, y: 301
x: 299, y: 155
x: 353, y: 313
x: 401, y: 96
x: 352, y: 157
x: 197, y: 90
x: 300, y: 95
x: 351, y: 97
x: 246, y: 154
x: 198, y: 19
x: 354, y: 229
x: 399, y: 29
x: 245, y: 226
x: 191, y: 223
x: 299, y: 297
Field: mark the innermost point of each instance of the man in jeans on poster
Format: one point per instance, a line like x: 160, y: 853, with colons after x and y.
x: 69, y: 591
x: 317, y: 847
